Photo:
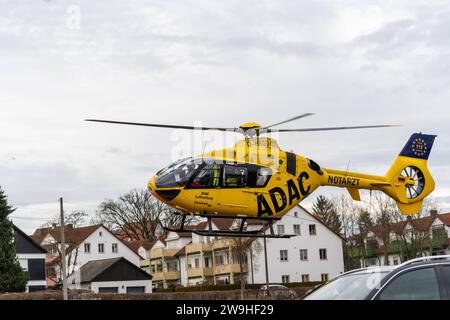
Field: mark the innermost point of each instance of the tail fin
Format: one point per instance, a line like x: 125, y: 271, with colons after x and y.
x: 409, y: 178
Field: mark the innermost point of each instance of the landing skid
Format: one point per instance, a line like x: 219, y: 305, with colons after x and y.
x: 267, y: 224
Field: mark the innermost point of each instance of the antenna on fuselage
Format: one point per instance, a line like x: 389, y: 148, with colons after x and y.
x: 346, y: 170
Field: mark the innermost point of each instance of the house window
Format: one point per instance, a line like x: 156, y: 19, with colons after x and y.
x: 24, y: 264
x: 101, y: 248
x: 280, y: 229
x: 100, y: 233
x: 305, y: 277
x: 197, y: 262
x: 283, y: 255
x: 285, y: 278
x: 312, y: 229
x: 296, y: 214
x: 115, y: 248
x: 297, y: 229
x: 395, y: 262
x: 207, y: 263
x: 87, y: 248
x: 219, y: 260
x: 303, y: 254
x: 324, y: 276
x: 323, y: 254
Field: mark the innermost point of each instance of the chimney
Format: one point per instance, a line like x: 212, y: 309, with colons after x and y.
x: 433, y: 212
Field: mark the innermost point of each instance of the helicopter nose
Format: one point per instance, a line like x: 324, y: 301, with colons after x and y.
x: 152, y: 185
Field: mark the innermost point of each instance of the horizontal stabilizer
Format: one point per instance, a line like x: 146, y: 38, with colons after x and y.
x: 354, y: 193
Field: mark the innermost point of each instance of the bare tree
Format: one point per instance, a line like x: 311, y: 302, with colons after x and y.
x: 242, y: 248
x: 76, y: 219
x: 349, y: 214
x: 137, y: 215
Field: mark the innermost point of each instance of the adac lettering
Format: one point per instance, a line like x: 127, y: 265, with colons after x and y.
x: 279, y: 198
x: 347, y: 181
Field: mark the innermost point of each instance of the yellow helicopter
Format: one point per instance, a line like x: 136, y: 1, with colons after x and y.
x: 255, y: 179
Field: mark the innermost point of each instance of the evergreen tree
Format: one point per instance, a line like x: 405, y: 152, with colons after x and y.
x: 324, y: 209
x: 12, y: 277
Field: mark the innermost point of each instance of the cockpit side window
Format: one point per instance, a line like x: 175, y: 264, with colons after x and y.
x: 234, y: 176
x: 208, y: 177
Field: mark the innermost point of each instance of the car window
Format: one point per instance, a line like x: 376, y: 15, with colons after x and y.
x: 414, y: 285
x: 445, y: 277
x: 355, y: 286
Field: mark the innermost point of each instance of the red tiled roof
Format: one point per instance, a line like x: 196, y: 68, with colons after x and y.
x: 422, y: 224
x: 136, y: 244
x: 181, y: 252
x: 445, y: 218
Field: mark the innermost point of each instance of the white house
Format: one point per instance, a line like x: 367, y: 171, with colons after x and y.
x: 433, y: 231
x: 83, y: 244
x: 315, y: 253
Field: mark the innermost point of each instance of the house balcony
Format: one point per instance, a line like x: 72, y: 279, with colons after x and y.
x: 198, y: 247
x: 144, y: 263
x: 163, y: 252
x: 200, y: 272
x: 230, y: 268
x: 166, y: 276
x: 223, y: 244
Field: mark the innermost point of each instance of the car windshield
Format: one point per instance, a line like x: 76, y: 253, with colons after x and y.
x: 178, y: 173
x: 348, y: 287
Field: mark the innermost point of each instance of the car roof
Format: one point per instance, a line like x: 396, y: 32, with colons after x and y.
x: 371, y: 269
x: 387, y: 269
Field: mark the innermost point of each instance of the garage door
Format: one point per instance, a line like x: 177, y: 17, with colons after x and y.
x: 135, y: 289
x: 108, y: 289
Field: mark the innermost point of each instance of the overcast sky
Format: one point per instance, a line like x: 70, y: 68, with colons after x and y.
x: 220, y: 63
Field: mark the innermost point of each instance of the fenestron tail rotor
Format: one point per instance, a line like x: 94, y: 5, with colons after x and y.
x: 416, y: 175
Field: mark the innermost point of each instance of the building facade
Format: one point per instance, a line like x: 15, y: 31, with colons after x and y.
x: 314, y: 253
x: 83, y: 245
x: 31, y: 257
x: 397, y: 242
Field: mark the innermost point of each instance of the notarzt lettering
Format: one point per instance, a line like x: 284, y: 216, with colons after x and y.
x: 347, y: 181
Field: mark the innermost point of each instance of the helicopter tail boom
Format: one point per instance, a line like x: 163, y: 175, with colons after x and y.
x: 408, y: 181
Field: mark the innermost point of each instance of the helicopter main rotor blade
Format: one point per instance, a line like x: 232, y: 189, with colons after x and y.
x: 161, y: 125
x: 289, y: 120
x: 336, y: 128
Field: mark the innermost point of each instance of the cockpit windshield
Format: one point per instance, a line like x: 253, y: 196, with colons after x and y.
x: 177, y: 174
x: 197, y: 173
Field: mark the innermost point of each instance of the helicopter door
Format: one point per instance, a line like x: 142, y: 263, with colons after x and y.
x: 202, y: 189
x: 232, y: 197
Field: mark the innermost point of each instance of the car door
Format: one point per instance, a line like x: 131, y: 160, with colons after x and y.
x: 443, y: 272
x: 412, y: 284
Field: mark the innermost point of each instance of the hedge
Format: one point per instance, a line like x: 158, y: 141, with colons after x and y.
x: 222, y: 287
